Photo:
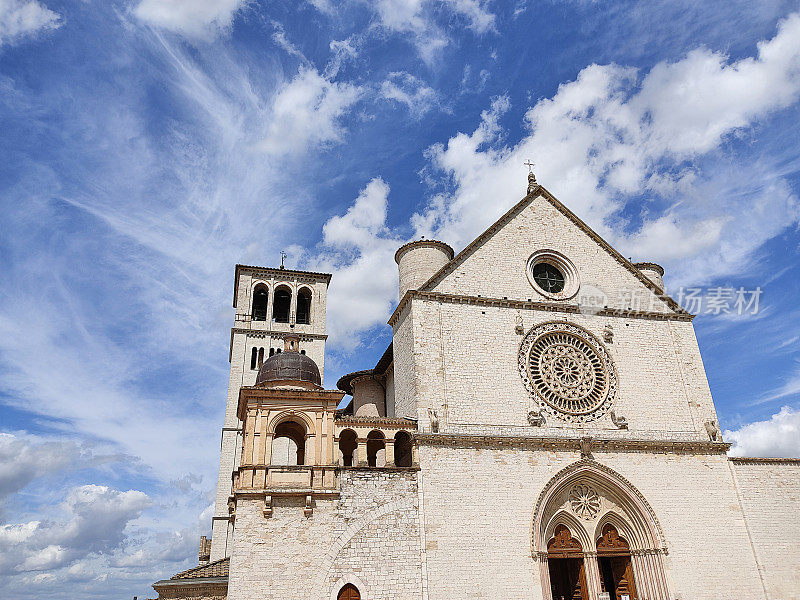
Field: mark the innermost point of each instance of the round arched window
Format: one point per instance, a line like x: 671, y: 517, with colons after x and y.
x: 553, y: 275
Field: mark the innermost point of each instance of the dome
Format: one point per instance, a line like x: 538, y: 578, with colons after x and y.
x: 289, y: 367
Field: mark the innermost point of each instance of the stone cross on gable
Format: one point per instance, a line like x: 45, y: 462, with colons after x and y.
x: 531, y: 177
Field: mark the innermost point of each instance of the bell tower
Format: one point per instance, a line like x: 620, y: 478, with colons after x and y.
x: 271, y: 306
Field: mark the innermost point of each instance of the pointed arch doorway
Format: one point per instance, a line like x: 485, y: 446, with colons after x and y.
x: 566, y: 566
x: 349, y: 592
x: 616, y: 567
x: 633, y: 558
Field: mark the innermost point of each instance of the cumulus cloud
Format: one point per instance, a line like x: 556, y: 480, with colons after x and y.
x: 96, y: 520
x: 778, y: 436
x: 359, y: 250
x: 404, y: 88
x: 611, y: 135
x: 194, y: 18
x: 306, y: 112
x: 25, y: 18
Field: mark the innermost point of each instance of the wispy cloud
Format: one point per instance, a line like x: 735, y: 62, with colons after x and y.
x: 404, y: 88
x: 21, y: 19
x: 203, y: 19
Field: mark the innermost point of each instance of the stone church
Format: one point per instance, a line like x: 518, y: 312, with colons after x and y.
x: 539, y: 427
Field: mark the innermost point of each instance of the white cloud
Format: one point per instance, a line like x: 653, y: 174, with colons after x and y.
x: 22, y: 460
x: 96, y: 520
x: 359, y: 250
x: 25, y: 18
x: 608, y: 135
x: 194, y: 18
x: 306, y: 112
x: 405, y: 88
x: 415, y: 18
x: 778, y: 436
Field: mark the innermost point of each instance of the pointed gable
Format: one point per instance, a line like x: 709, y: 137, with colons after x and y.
x: 495, y: 264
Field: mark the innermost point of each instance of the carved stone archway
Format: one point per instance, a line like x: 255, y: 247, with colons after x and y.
x: 585, y: 497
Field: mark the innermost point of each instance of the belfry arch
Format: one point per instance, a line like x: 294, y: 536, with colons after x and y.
x: 594, y: 502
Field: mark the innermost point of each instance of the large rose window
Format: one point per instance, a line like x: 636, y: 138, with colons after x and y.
x: 568, y: 371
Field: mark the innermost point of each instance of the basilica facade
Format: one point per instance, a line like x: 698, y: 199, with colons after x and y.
x: 539, y: 427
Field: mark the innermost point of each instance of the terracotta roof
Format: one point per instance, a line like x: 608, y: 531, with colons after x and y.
x: 218, y: 568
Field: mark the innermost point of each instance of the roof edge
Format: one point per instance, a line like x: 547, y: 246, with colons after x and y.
x: 424, y: 244
x: 540, y: 190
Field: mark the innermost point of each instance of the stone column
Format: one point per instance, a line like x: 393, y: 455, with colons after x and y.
x: 310, y: 450
x: 389, y: 446
x: 361, y: 453
x: 592, y: 571
x: 544, y: 575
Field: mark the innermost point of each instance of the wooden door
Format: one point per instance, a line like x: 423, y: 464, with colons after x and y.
x: 567, y: 579
x: 349, y: 592
x: 623, y: 577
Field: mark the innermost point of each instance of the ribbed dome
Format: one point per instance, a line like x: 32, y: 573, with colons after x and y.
x: 288, y: 366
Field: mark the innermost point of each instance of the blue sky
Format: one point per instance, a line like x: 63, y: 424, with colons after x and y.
x: 150, y: 145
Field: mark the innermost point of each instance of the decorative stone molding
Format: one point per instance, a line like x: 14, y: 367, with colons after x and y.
x: 618, y: 420
x: 433, y: 417
x: 267, y: 510
x: 536, y: 418
x: 540, y: 442
x: 765, y: 460
x: 712, y: 428
x: 617, y: 479
x: 584, y: 501
x: 387, y: 422
x: 308, y: 509
x: 586, y: 447
x: 558, y: 307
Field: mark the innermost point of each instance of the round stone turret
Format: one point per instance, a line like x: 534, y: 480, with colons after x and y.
x: 417, y: 262
x: 652, y: 271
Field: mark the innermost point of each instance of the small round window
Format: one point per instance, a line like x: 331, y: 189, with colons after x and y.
x: 549, y: 278
x: 553, y: 275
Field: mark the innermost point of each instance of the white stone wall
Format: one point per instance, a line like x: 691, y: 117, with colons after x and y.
x: 405, y: 366
x: 466, y: 356
x: 418, y: 264
x: 479, y: 505
x: 371, y: 532
x: 770, y: 495
x: 369, y: 397
x: 390, y: 407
